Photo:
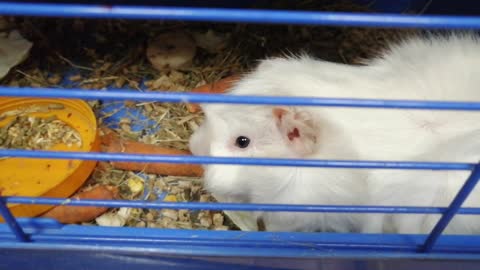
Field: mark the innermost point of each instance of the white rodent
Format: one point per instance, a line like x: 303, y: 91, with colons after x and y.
x: 426, y: 188
x: 435, y: 68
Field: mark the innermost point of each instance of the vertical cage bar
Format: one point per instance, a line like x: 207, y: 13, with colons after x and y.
x: 452, y: 209
x: 12, y: 222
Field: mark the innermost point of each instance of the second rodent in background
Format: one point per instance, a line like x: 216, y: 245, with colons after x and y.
x: 434, y: 68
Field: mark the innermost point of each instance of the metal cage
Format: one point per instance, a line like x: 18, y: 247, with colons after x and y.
x: 45, y: 244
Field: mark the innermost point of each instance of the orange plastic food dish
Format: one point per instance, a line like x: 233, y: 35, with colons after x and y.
x: 48, y: 177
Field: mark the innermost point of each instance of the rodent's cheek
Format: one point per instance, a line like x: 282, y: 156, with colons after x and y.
x: 225, y: 181
x: 198, y: 145
x: 220, y: 150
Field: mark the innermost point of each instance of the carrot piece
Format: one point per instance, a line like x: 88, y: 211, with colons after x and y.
x: 112, y: 143
x: 217, y: 87
x: 76, y: 214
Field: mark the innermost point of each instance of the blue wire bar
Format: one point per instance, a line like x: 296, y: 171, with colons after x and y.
x: 123, y: 157
x: 452, y: 209
x: 239, y: 15
x: 230, y: 99
x: 12, y: 222
x: 239, y: 206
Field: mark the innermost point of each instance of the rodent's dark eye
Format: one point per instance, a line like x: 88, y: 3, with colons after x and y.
x: 242, y: 142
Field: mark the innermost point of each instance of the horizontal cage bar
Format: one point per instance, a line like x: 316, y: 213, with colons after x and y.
x: 231, y: 99
x: 240, y: 15
x: 239, y: 206
x: 142, y: 158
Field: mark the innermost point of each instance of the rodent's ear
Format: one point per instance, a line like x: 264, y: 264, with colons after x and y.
x: 297, y: 128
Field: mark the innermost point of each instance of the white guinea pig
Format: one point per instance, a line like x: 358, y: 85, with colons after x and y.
x: 426, y: 188
x: 418, y: 68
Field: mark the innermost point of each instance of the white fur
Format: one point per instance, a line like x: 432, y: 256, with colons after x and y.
x: 426, y: 188
x: 419, y: 69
